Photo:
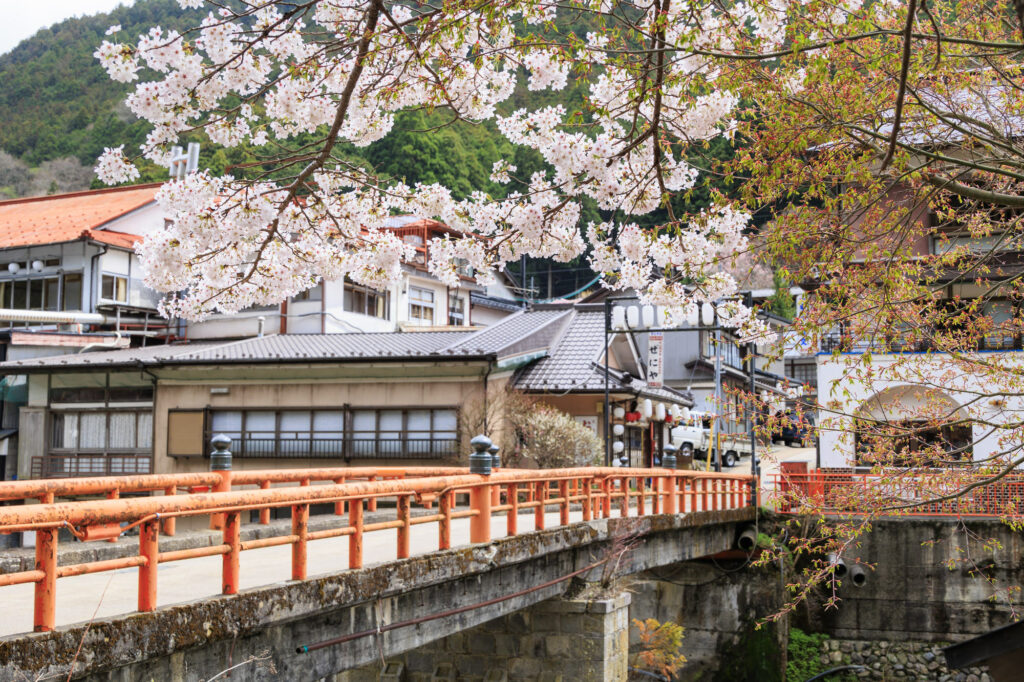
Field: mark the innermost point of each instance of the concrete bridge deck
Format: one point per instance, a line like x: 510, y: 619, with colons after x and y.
x: 104, y: 595
x: 197, y: 639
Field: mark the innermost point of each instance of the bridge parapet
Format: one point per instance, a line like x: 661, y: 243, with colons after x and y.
x: 384, y: 605
x: 595, y: 491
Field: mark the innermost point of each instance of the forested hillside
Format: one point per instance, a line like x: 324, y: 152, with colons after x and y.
x: 59, y: 110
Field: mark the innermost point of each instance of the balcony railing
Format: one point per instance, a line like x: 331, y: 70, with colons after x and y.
x: 846, y: 343
x: 78, y: 465
x: 319, y: 446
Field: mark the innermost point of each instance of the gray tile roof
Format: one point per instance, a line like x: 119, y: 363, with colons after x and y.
x: 125, y: 356
x: 574, y: 364
x: 510, y: 332
x: 518, y: 333
x: 284, y: 347
x: 332, y: 346
x: 572, y: 339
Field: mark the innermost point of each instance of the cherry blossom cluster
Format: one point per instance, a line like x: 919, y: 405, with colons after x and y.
x: 338, y: 71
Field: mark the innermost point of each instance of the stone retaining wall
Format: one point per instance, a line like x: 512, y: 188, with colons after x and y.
x: 917, y: 661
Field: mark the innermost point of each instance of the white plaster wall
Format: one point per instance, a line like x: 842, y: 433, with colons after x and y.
x: 842, y: 398
x: 485, y: 317
x: 142, y: 221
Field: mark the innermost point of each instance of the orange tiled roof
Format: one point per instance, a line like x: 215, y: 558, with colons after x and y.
x: 66, y: 217
x: 122, y: 239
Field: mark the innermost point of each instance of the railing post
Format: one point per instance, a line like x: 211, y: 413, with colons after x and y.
x: 669, y: 483
x: 640, y: 500
x: 563, y: 491
x: 495, y: 465
x: 220, y: 462
x: 355, y: 540
x: 232, y: 538
x: 46, y: 589
x: 480, y: 495
x: 540, y: 497
x: 403, y: 530
x: 339, y: 506
x: 300, y: 528
x: 169, y: 525
x: 480, y: 523
x: 512, y: 518
x: 588, y: 499
x: 149, y: 550
x: 606, y: 500
x: 265, y: 512
x: 371, y: 504
x: 444, y: 526
x: 624, y: 505
x: 113, y: 495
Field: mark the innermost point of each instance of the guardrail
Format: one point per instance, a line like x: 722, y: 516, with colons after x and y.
x: 47, y: 491
x: 595, y: 491
x: 916, y: 493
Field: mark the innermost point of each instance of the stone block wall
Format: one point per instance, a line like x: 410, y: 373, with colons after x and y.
x: 559, y: 640
x: 911, y: 661
x: 718, y: 605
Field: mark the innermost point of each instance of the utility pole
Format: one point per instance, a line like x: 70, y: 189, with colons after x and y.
x: 718, y: 394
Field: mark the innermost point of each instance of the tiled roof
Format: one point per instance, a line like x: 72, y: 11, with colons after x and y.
x: 284, y: 348
x: 508, y: 331
x: 495, y: 302
x: 122, y: 239
x: 66, y: 217
x: 126, y: 356
x: 571, y: 340
x: 574, y: 365
x: 332, y: 346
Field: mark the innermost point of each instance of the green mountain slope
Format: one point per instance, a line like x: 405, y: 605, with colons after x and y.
x: 59, y: 110
x: 56, y: 100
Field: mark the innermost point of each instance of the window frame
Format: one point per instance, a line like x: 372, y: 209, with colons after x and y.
x: 114, y: 277
x: 369, y: 297
x: 423, y: 306
x: 349, y: 443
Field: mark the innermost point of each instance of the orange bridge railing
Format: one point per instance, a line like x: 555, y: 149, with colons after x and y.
x: 598, y: 492
x: 916, y: 493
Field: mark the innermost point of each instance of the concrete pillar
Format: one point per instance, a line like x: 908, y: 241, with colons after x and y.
x: 559, y: 640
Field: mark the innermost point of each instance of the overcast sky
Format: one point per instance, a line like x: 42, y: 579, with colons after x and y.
x: 22, y: 19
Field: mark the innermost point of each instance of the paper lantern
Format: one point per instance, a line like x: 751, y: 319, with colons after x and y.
x: 647, y: 315
x: 619, y: 412
x: 659, y: 412
x: 618, y: 446
x: 633, y: 317
x: 618, y: 429
x: 618, y: 318
x: 707, y: 312
x: 692, y: 319
x: 646, y: 408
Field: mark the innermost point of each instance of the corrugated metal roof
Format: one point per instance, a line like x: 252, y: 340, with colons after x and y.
x: 66, y: 217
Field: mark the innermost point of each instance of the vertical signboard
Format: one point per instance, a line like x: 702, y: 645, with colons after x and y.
x: 655, y: 359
